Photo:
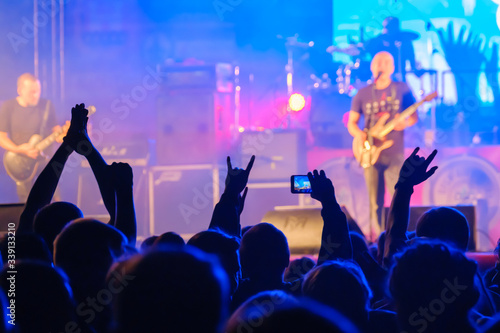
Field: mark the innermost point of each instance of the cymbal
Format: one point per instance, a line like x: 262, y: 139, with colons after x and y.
x: 351, y: 50
x: 402, y: 35
x: 294, y: 42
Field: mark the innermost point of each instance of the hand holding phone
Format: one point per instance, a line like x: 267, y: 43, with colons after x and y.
x: 322, y: 187
x: 300, y: 184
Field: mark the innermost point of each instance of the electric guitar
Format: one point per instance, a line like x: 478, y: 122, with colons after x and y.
x: 367, y: 154
x: 23, y: 168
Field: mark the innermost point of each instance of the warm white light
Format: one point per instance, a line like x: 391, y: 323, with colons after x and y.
x: 297, y: 102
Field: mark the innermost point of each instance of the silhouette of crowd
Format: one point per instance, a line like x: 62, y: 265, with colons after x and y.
x: 76, y: 274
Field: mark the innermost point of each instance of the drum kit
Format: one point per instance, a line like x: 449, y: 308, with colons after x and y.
x: 351, y: 76
x: 331, y: 95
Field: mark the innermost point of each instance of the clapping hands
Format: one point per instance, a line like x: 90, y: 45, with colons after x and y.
x: 77, y: 137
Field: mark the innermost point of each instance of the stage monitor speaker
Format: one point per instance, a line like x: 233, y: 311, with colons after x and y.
x: 303, y: 227
x: 186, y: 129
x: 10, y: 213
x: 279, y: 153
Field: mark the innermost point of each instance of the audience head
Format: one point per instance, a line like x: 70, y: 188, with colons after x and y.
x: 148, y: 243
x: 264, y: 252
x: 433, y: 287
x: 51, y: 219
x: 245, y: 229
x: 85, y: 249
x: 226, y: 248
x: 172, y: 289
x: 27, y: 246
x: 298, y: 268
x: 277, y: 312
x: 169, y: 238
x: 342, y: 286
x: 445, y: 224
x: 43, y: 298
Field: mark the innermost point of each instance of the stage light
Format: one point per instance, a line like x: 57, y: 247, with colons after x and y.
x: 241, y: 129
x: 297, y: 102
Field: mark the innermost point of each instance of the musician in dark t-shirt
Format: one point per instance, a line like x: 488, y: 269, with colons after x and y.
x: 22, y: 117
x: 382, y: 98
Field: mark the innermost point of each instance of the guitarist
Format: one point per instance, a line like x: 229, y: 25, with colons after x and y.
x: 23, y: 116
x: 384, y: 98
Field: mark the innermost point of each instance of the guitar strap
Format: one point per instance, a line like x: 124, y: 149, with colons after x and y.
x: 372, y: 115
x: 45, y: 118
x: 371, y: 122
x: 393, y: 99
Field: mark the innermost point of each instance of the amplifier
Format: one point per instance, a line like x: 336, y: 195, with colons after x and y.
x: 89, y: 198
x: 182, y: 197
x: 135, y: 153
x: 278, y: 153
x: 10, y: 213
x: 188, y: 77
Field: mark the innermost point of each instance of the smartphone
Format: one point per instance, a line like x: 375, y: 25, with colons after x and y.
x: 300, y: 184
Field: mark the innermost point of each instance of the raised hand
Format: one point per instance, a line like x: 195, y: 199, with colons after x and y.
x: 241, y: 200
x: 321, y: 186
x: 414, y: 170
x: 77, y: 136
x: 121, y: 175
x: 236, y: 179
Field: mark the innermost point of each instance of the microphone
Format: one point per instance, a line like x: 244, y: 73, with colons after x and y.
x: 377, y: 77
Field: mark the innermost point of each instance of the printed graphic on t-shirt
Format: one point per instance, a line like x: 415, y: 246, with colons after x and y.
x: 385, y: 105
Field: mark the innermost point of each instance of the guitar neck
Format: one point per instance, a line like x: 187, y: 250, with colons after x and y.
x: 45, y: 143
x: 389, y: 127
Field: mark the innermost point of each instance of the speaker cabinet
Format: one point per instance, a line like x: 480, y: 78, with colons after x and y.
x: 264, y: 197
x: 186, y: 130
x: 10, y: 213
x: 279, y: 153
x: 182, y: 198
x: 89, y: 198
x: 303, y: 227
